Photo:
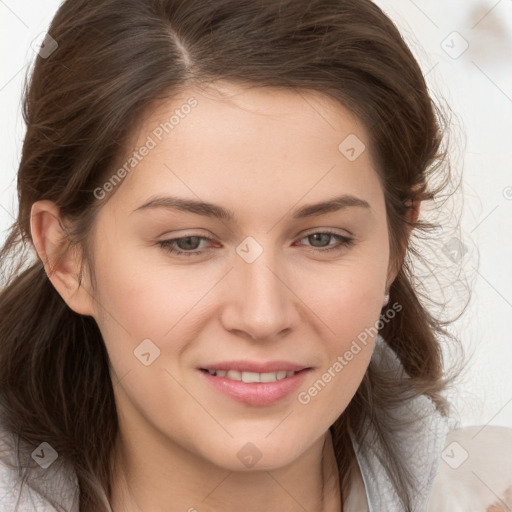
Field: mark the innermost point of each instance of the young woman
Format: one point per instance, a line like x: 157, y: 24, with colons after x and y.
x: 221, y: 315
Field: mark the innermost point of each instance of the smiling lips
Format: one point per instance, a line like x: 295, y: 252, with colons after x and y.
x: 252, y: 376
x: 255, y: 383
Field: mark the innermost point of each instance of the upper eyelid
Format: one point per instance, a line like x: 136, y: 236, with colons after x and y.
x: 311, y: 231
x: 328, y: 231
x: 332, y: 231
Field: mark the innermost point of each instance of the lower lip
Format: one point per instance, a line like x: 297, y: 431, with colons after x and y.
x: 257, y: 393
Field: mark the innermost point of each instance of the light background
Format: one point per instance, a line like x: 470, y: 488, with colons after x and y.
x: 477, y: 84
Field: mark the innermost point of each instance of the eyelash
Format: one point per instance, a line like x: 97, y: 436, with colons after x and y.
x: 344, y: 242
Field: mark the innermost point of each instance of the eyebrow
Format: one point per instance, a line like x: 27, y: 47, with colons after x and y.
x: 212, y: 210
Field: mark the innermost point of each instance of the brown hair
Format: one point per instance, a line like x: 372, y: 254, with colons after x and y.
x: 115, y: 59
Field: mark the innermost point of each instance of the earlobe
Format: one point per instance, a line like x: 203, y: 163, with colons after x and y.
x: 61, y: 261
x: 415, y: 210
x: 413, y: 204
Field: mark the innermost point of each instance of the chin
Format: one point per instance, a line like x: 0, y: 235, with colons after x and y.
x: 263, y: 454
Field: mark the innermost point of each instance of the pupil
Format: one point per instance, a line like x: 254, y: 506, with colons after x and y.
x: 186, y: 241
x: 316, y: 236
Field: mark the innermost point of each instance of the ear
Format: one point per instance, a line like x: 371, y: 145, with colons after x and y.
x: 61, y: 262
x: 413, y: 210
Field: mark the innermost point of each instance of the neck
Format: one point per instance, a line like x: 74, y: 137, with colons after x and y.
x: 180, y: 482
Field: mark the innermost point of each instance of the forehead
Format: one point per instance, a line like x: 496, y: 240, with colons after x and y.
x: 229, y: 110
x: 265, y: 143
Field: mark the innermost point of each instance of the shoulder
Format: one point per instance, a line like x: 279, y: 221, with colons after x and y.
x: 475, y: 471
x: 9, y: 474
x: 30, y: 487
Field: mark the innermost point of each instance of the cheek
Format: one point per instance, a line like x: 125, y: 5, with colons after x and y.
x: 349, y: 304
x: 135, y: 303
x: 351, y: 314
x: 348, y: 297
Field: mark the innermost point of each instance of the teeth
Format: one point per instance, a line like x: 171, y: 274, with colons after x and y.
x: 251, y: 377
x: 268, y: 377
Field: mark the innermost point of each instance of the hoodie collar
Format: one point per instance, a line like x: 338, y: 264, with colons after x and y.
x: 419, y: 444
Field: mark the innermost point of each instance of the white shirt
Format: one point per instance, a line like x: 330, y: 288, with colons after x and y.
x: 456, y: 470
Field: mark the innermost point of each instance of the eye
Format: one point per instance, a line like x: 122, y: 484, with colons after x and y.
x: 188, y: 245
x: 343, y: 241
x: 185, y: 243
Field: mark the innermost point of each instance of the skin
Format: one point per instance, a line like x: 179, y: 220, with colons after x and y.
x: 505, y: 501
x: 262, y: 154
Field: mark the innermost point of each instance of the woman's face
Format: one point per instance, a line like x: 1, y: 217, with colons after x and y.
x: 254, y: 292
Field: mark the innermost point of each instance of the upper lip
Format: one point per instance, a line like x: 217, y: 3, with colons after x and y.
x: 255, y: 366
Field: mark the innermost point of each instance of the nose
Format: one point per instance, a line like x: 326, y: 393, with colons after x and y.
x: 261, y: 302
